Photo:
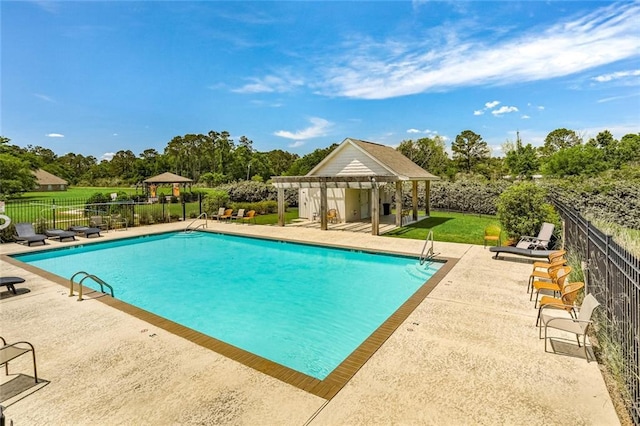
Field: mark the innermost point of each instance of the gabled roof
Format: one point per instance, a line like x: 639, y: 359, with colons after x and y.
x: 46, y: 178
x: 387, y: 157
x: 168, y: 178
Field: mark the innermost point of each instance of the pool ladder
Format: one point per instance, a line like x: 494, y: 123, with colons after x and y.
x: 202, y: 225
x: 91, y: 276
x: 427, y: 255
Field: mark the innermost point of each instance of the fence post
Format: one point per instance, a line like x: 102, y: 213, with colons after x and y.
x: 184, y: 209
x: 200, y: 203
x: 54, y: 213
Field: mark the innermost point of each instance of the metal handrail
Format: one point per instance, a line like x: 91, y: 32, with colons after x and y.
x: 98, y: 280
x: 202, y: 225
x: 430, y: 254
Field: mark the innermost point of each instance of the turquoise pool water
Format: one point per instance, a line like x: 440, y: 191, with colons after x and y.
x: 302, y: 306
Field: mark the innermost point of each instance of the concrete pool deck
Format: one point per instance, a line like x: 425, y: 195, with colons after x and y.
x: 468, y: 354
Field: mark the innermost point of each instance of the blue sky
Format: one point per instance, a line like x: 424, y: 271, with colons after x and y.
x: 96, y: 77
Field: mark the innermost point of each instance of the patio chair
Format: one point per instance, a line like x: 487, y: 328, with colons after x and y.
x: 332, y: 216
x: 10, y: 283
x: 541, y: 242
x: 98, y: 222
x: 228, y: 214
x: 118, y: 222
x: 541, y: 269
x: 60, y: 235
x: 493, y: 233
x: 558, y: 278
x: 14, y: 350
x: 566, y: 301
x: 579, y: 326
x: 239, y: 216
x: 251, y: 215
x: 26, y: 234
x: 219, y: 215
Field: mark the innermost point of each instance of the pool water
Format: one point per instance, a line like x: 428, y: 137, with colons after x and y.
x: 302, y: 306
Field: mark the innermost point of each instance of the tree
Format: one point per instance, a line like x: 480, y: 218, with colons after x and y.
x: 305, y: 164
x: 608, y: 144
x: 522, y: 161
x: 469, y: 149
x: 427, y: 153
x: 280, y: 161
x: 560, y: 139
x: 522, y: 209
x: 586, y: 160
x: 629, y: 149
x: 15, y: 175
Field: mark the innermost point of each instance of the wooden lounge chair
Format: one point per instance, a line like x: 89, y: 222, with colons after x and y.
x: 26, y: 234
x: 14, y: 350
x: 541, y: 270
x: 10, y: 283
x: 556, y: 285
x: 60, y: 235
x: 332, y: 216
x: 566, y: 301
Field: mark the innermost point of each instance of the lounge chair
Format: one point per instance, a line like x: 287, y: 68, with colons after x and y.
x: 219, y: 215
x: 26, y: 234
x: 86, y: 230
x: 60, y: 234
x: 541, y: 242
x: 10, y: 282
x: 251, y: 215
x: 550, y: 318
x: 14, y: 350
x: 239, y: 216
x: 538, y: 254
x: 228, y: 214
x: 116, y: 221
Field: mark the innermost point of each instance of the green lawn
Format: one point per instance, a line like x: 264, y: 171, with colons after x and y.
x: 76, y: 192
x: 448, y: 227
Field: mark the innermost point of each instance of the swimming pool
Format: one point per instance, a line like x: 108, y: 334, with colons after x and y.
x: 302, y: 306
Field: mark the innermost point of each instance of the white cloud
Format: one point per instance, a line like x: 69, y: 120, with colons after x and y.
x: 270, y: 84
x: 54, y: 135
x: 478, y: 112
x: 491, y: 104
x: 107, y: 156
x: 615, y: 98
x: 44, y: 97
x: 381, y: 70
x: 541, y: 108
x: 115, y: 134
x: 504, y: 110
x: 318, y: 128
x: 296, y: 144
x: 616, y: 75
x: 413, y: 131
x: 525, y: 117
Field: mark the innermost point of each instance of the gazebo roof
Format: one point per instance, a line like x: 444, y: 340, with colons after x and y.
x: 358, y: 164
x: 168, y: 178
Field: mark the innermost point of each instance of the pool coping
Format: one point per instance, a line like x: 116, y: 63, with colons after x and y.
x: 326, y: 388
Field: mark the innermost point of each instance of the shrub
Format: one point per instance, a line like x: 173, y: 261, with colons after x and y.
x: 522, y: 210
x: 214, y: 200
x: 252, y: 191
x: 261, y: 207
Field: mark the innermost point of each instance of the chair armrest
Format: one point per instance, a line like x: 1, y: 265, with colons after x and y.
x: 570, y: 319
x: 556, y: 306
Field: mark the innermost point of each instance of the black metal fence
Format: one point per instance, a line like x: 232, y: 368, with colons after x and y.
x: 65, y: 213
x: 613, y: 277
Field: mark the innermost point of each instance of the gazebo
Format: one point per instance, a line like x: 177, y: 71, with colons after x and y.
x: 348, y: 181
x: 151, y: 184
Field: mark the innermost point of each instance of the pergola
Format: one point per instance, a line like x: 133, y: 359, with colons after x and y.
x: 165, y: 179
x: 360, y: 165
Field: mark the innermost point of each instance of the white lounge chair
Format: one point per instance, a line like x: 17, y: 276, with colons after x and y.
x: 541, y: 242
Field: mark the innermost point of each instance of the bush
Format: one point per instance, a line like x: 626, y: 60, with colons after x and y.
x: 522, y: 210
x: 252, y: 191
x: 261, y: 207
x: 215, y: 200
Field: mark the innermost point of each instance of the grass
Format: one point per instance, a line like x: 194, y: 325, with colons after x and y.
x: 448, y: 227
x: 77, y: 192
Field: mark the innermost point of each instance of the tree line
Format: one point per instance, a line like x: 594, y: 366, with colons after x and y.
x: 215, y: 158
